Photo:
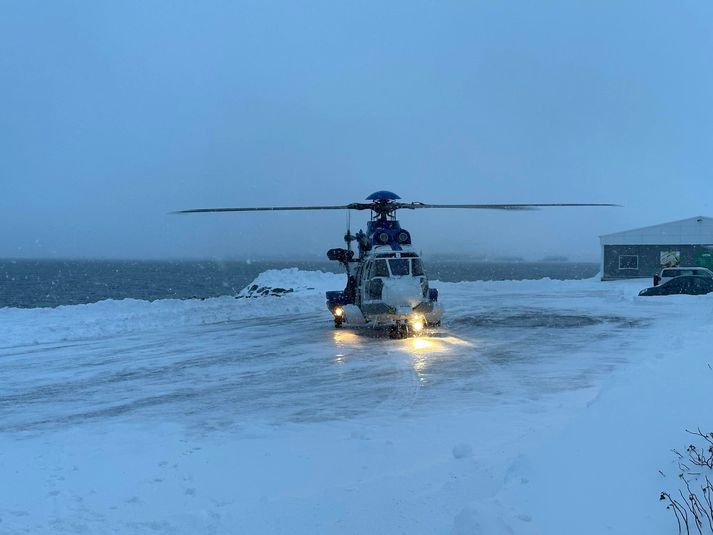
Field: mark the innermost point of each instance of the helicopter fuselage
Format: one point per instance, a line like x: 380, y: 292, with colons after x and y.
x: 386, y: 284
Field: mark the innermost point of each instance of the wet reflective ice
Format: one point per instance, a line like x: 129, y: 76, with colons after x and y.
x: 493, y: 347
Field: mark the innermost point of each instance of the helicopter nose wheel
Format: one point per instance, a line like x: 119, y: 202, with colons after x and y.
x: 338, y: 323
x: 399, y: 331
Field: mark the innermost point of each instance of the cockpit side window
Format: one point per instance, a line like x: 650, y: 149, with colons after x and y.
x: 417, y: 267
x: 379, y: 269
x: 399, y: 267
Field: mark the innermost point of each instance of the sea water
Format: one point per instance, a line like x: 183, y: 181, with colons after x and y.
x: 50, y: 283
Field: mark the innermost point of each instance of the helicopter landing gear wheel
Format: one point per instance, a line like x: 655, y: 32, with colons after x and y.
x: 399, y: 331
x: 338, y: 323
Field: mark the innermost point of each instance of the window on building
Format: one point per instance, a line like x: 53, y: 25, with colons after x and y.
x: 628, y: 261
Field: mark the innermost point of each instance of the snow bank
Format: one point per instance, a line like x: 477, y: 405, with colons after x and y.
x: 117, y: 317
x: 306, y: 283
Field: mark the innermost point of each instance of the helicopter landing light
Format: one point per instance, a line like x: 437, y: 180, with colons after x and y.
x: 417, y: 326
x: 417, y: 323
x: 339, y: 312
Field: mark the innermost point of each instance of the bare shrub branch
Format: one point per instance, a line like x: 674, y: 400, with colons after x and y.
x: 694, y: 510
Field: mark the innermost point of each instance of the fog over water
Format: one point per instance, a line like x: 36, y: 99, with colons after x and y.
x: 114, y: 114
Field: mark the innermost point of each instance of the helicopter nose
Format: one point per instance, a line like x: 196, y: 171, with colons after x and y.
x: 402, y: 292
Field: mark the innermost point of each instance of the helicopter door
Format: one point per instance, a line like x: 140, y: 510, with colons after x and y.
x: 376, y: 272
x: 359, y: 276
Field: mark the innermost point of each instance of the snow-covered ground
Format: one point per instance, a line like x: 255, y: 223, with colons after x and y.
x: 539, y: 407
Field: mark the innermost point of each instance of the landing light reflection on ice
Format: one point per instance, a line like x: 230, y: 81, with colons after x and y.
x: 346, y: 338
x: 421, y: 344
x: 424, y: 350
x: 437, y: 344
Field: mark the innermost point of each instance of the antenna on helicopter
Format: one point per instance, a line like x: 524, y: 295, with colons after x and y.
x: 349, y: 237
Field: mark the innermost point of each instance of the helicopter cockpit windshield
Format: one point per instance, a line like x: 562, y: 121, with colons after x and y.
x: 397, y: 267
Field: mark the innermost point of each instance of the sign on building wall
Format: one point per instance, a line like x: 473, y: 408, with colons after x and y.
x: 705, y: 258
x: 670, y: 258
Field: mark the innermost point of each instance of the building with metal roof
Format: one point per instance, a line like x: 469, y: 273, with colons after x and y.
x: 645, y: 251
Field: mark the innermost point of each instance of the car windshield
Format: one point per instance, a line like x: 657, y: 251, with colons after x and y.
x: 399, y: 267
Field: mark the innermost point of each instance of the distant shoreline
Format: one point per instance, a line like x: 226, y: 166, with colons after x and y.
x: 426, y: 258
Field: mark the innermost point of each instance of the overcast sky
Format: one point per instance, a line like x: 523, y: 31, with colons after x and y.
x: 115, y: 113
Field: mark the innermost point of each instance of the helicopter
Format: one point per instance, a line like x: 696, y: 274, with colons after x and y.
x: 386, y: 284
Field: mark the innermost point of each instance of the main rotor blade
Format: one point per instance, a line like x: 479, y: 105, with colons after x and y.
x: 499, y: 206
x: 353, y: 206
x: 389, y: 206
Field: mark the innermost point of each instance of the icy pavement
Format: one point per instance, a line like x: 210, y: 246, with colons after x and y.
x: 256, y: 416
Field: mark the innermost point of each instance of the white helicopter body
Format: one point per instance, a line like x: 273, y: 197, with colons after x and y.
x: 388, y: 289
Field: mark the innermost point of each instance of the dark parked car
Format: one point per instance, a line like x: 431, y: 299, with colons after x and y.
x: 684, y: 284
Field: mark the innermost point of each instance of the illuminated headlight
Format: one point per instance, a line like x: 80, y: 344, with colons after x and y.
x: 418, y: 324
x: 339, y: 312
